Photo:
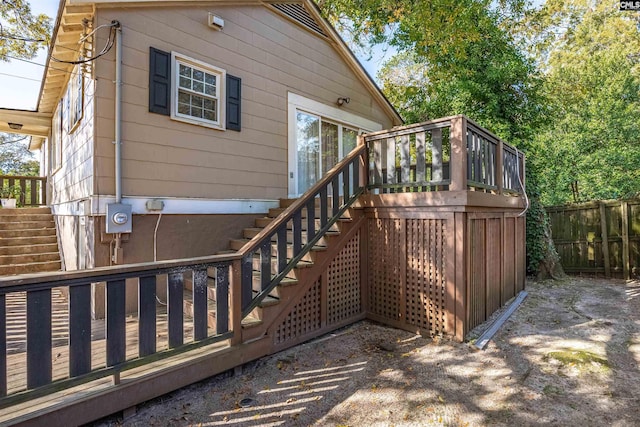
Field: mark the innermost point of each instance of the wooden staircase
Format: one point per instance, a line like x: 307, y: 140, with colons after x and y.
x: 290, y: 288
x: 28, y: 241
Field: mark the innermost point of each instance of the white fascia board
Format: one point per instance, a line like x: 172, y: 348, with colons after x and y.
x: 97, y: 205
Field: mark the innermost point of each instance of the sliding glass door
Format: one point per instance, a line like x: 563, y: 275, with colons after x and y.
x: 320, y: 144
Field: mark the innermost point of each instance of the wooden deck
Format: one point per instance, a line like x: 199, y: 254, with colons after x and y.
x: 428, y: 248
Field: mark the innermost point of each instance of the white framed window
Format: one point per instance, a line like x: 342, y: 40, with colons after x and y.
x: 198, y: 92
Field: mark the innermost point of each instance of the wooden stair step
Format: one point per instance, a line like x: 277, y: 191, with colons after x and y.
x: 237, y: 244
x: 30, y: 268
x: 27, y: 249
x: 25, y: 211
x: 29, y: 258
x: 211, y: 287
x: 14, y: 217
x: 266, y: 221
x: 251, y: 232
x: 28, y: 240
x: 285, y: 203
x: 26, y: 225
x: 51, y: 231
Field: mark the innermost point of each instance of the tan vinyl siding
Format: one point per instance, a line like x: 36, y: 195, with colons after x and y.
x: 74, y: 179
x: 164, y: 157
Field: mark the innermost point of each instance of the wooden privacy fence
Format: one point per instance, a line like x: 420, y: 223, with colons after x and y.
x: 33, y: 189
x: 598, y: 237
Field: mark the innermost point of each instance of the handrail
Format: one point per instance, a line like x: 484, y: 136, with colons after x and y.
x: 408, y: 129
x: 301, y: 202
x: 100, y: 274
x: 27, y: 184
x: 262, y: 242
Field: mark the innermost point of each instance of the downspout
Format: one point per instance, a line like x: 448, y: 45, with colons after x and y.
x: 117, y: 253
x: 118, y: 118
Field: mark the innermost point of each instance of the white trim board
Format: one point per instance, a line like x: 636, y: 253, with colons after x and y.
x: 333, y: 113
x: 97, y: 205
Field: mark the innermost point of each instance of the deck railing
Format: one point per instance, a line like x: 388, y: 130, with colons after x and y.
x: 290, y: 248
x: 33, y: 189
x: 87, y: 362
x: 452, y: 153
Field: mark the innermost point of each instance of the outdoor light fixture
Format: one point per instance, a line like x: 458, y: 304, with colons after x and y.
x: 341, y: 101
x: 15, y: 126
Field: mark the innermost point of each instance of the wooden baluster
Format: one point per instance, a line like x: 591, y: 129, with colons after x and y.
x: 34, y: 192
x: 323, y: 207
x: 199, y: 278
x: 39, y: 364
x: 297, y: 233
x: 499, y: 167
x: 147, y: 315
x: 405, y: 160
x: 222, y: 299
x: 355, y: 182
x: 377, y: 159
x: 436, y: 156
x: 247, y: 280
x: 345, y: 175
x: 43, y: 191
x: 175, y: 310
x: 116, y: 332
x: 282, y: 248
x: 265, y: 263
x: 391, y: 162
x: 311, y: 219
x: 335, y: 195
x: 79, y: 330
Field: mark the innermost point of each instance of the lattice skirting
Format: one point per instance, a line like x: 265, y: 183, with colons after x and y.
x: 406, y: 270
x: 334, y: 298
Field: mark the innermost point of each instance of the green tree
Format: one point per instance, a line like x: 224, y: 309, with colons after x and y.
x: 15, y: 157
x: 591, y: 54
x: 22, y: 33
x: 460, y: 57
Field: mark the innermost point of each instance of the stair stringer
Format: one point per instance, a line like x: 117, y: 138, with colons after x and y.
x: 307, y: 277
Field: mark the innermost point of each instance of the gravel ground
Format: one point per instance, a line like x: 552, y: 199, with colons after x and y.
x: 569, y: 356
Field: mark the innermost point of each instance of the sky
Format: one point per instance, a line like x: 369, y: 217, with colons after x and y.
x: 20, y: 81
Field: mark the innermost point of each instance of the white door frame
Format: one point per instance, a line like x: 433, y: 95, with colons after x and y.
x: 299, y: 103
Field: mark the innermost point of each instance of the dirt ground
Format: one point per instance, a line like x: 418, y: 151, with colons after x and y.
x: 569, y: 356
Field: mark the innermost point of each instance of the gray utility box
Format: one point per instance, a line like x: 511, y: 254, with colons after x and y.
x: 118, y: 218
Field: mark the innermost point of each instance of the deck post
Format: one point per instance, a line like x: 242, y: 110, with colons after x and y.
x: 235, y: 315
x: 458, y: 162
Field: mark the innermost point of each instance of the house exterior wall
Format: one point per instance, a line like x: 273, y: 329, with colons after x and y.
x: 273, y: 56
x: 72, y: 177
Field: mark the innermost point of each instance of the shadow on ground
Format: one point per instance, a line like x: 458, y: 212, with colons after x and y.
x: 568, y: 356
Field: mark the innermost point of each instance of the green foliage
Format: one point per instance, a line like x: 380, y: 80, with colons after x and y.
x: 10, y: 192
x: 459, y: 58
x: 590, y: 149
x: 22, y: 33
x: 15, y: 158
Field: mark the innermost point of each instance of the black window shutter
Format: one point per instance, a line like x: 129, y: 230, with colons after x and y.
x: 159, y: 81
x: 234, y: 98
